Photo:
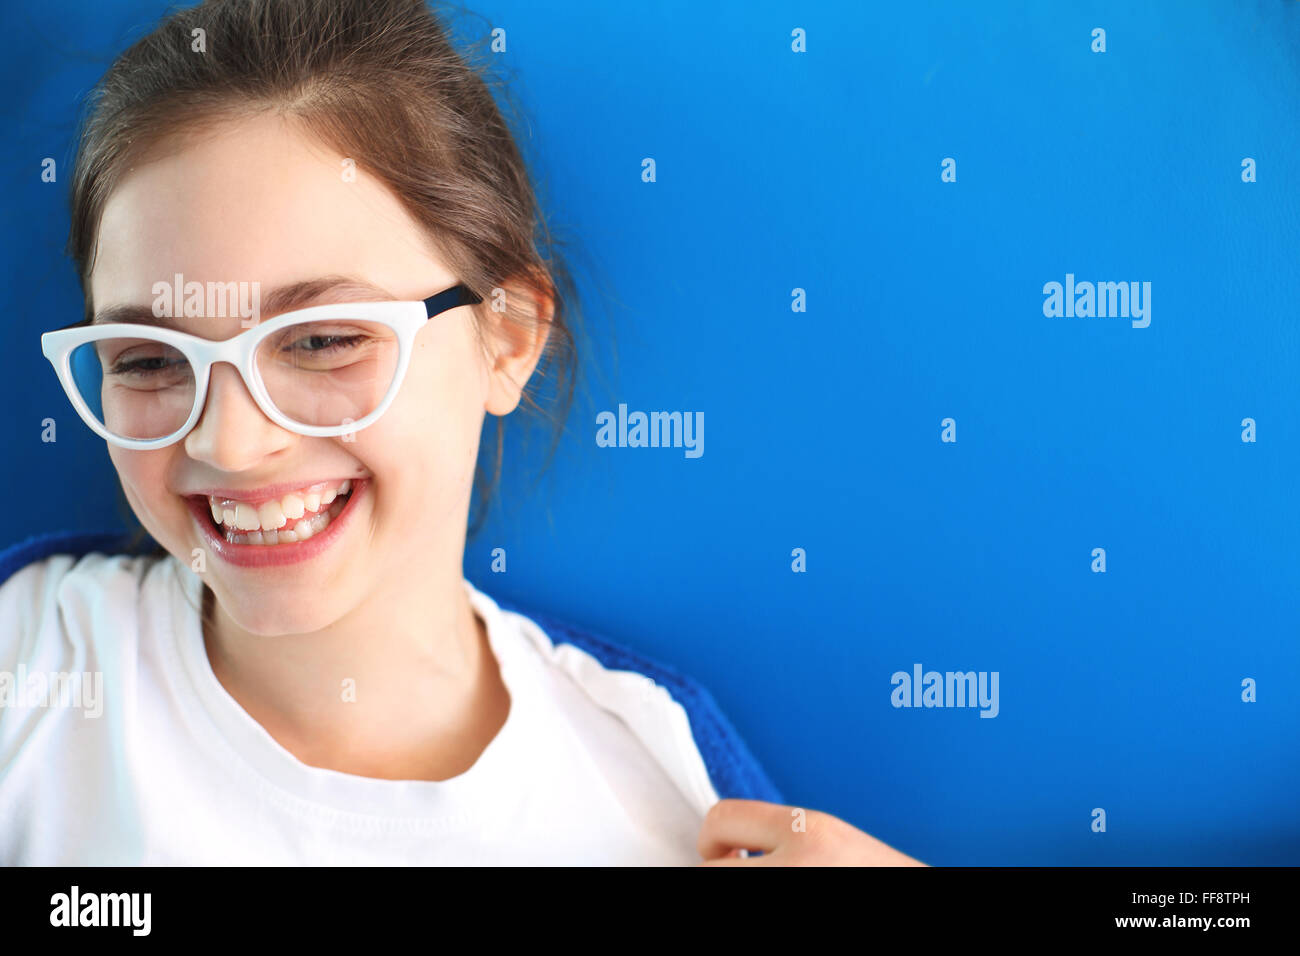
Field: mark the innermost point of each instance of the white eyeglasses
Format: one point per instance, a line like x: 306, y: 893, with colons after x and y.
x: 324, y: 371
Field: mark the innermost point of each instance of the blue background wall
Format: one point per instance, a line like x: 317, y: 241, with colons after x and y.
x: 821, y: 171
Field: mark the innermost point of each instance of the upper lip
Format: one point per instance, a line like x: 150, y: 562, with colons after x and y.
x: 266, y: 491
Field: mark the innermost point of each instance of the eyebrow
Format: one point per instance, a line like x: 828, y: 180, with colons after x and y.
x: 285, y: 298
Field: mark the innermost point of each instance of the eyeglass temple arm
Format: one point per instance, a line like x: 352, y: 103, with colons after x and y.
x: 449, y: 299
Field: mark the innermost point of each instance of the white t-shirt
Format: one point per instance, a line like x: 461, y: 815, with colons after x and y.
x: 157, y: 764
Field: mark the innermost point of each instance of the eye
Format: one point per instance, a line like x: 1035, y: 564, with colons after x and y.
x: 148, y: 363
x: 318, y: 344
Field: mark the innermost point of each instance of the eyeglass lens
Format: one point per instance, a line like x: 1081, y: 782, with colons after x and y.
x: 322, y: 373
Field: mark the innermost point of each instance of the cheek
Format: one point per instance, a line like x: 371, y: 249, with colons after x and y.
x: 444, y: 392
x: 431, y: 431
x: 144, y: 475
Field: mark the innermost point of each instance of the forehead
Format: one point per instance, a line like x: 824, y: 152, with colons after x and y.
x: 255, y: 200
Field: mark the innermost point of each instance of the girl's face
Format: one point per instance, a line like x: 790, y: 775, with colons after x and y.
x: 259, y: 202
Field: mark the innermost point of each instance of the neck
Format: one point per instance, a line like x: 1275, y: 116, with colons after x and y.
x: 405, y: 686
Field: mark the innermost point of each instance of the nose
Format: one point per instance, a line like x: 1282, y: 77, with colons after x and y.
x: 232, y: 434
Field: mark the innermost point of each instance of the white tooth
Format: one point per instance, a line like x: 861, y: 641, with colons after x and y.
x: 328, y: 496
x: 216, y: 510
x: 292, y: 506
x: 271, y: 515
x: 246, y: 518
x: 345, y: 487
x: 254, y: 538
x: 311, y: 501
x: 336, y: 507
x: 228, y: 516
x: 270, y: 537
x: 319, y: 522
x: 288, y: 537
x: 303, y: 529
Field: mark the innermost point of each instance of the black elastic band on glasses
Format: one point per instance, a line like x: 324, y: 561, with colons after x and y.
x: 447, y: 299
x: 450, y: 298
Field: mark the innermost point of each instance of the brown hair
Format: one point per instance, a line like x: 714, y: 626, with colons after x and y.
x: 380, y: 82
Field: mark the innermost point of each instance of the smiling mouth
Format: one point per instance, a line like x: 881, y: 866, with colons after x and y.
x: 290, y: 519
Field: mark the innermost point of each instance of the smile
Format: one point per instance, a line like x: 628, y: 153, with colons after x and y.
x: 283, y: 530
x: 294, y: 517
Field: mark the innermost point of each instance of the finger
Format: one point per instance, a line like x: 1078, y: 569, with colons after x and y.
x: 744, y: 824
x: 764, y: 859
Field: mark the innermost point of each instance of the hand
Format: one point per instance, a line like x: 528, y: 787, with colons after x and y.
x: 788, y: 836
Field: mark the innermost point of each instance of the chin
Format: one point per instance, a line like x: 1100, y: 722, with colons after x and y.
x: 268, y: 619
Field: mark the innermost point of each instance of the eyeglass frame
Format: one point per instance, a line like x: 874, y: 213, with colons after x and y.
x: 405, y: 318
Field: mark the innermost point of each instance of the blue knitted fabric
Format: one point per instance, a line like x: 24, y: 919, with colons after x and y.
x: 732, y: 768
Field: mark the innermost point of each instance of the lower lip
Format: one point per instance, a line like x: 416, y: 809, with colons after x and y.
x: 274, y: 555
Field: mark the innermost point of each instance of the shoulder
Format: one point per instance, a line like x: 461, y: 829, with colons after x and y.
x: 29, y: 596
x: 674, y: 716
x: 52, y: 589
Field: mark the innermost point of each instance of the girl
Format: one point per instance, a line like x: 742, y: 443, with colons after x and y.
x: 302, y: 674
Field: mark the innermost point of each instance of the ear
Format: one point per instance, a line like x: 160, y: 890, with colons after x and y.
x: 518, y: 337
